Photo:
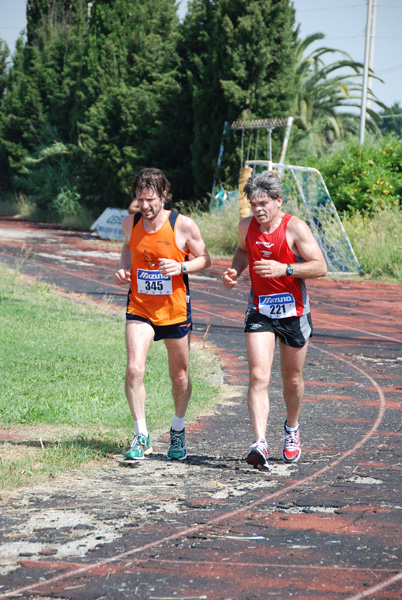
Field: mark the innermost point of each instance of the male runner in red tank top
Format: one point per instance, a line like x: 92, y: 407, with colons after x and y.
x: 281, y: 253
x: 155, y: 261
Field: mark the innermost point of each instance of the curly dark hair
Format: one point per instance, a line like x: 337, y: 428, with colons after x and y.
x: 151, y: 178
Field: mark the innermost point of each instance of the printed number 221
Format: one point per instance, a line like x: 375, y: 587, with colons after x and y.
x: 278, y: 309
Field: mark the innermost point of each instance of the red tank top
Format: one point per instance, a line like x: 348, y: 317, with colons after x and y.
x: 161, y: 300
x: 280, y: 297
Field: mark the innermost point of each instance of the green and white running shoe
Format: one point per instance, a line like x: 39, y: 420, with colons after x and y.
x: 140, y: 447
x: 177, y: 450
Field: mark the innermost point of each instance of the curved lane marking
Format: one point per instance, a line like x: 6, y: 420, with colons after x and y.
x: 377, y: 588
x: 343, y: 326
x: 355, y: 310
x: 233, y: 513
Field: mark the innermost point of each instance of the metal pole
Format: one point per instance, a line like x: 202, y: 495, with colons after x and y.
x: 218, y: 164
x: 286, y: 140
x: 371, y: 52
x: 365, y: 72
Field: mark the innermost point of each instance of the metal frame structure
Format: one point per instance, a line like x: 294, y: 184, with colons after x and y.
x: 269, y: 125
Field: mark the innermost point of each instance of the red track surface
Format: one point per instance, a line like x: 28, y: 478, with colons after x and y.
x: 329, y: 527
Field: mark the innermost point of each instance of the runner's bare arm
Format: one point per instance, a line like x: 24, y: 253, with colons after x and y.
x: 123, y: 275
x: 240, y: 258
x: 188, y: 238
x: 302, y: 243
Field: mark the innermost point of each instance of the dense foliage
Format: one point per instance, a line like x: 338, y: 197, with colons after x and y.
x: 366, y: 178
x: 239, y: 59
x: 102, y: 89
x: 391, y: 120
x: 89, y: 100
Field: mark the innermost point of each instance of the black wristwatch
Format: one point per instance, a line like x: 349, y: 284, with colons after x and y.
x: 289, y: 270
x: 183, y: 268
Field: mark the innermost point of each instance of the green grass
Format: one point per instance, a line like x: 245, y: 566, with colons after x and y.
x: 31, y: 461
x: 63, y: 368
x: 377, y: 242
x: 219, y: 229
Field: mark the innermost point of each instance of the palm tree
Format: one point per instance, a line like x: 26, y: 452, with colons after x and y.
x: 327, y: 93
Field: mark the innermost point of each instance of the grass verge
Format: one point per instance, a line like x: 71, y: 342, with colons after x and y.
x: 63, y: 367
x: 377, y: 242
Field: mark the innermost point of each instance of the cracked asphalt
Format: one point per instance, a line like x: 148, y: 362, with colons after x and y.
x: 327, y: 528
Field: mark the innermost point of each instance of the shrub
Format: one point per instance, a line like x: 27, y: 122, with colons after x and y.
x: 364, y: 179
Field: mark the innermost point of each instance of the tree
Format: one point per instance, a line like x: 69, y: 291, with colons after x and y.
x: 326, y: 94
x: 4, y: 56
x: 4, y: 168
x: 40, y: 98
x: 53, y: 58
x: 91, y: 101
x: 131, y: 87
x: 239, y: 63
x: 202, y: 105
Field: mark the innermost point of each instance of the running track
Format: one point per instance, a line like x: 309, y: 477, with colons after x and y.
x: 329, y: 527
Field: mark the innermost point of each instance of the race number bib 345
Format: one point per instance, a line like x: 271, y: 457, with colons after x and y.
x: 277, y: 306
x: 153, y: 282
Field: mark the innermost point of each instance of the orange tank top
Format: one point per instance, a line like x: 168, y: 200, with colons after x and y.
x: 162, y: 300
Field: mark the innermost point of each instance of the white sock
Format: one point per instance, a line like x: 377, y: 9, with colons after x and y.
x: 291, y: 429
x: 141, y: 427
x: 178, y: 423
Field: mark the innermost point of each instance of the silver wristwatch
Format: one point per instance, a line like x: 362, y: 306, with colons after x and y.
x: 183, y: 268
x: 289, y: 270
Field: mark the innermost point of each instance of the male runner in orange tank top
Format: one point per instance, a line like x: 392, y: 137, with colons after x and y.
x: 155, y: 262
x: 281, y: 253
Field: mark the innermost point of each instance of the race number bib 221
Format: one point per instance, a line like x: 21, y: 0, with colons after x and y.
x: 277, y: 306
x: 153, y: 282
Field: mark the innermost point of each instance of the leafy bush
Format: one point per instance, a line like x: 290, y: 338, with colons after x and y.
x: 67, y: 202
x: 364, y: 178
x: 48, y: 179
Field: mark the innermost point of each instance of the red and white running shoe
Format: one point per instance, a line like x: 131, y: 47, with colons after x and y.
x: 291, y: 448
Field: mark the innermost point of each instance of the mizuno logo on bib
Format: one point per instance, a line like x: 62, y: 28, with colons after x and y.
x: 153, y: 282
x: 277, y: 306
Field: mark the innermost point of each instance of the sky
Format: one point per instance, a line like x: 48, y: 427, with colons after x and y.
x: 342, y: 21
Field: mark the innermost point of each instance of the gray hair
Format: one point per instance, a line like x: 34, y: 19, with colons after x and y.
x: 263, y: 184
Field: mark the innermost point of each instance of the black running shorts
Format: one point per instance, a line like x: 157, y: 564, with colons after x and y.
x: 292, y: 331
x: 164, y: 332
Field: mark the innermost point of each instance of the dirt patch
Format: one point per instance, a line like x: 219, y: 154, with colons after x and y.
x: 18, y: 433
